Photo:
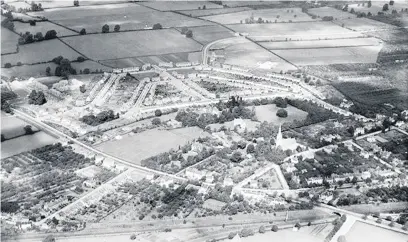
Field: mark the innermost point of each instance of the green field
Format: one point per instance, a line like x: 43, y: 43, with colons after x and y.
x: 38, y: 52
x: 363, y: 24
x: 364, y: 232
x: 137, y: 147
x: 42, y: 27
x: 179, y: 5
x: 209, y: 12
x: 129, y: 16
x: 279, y: 15
x: 329, y: 11
x: 9, y: 41
x: 132, y: 44
x: 60, y: 4
x: 320, y: 43
x: 268, y: 113
x: 207, y: 34
x: 12, y: 126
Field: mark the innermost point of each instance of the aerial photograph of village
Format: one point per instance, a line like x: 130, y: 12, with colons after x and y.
x: 204, y: 121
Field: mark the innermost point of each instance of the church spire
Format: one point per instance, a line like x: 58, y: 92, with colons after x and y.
x: 279, y: 137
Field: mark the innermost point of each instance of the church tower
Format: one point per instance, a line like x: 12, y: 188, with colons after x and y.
x: 278, y: 142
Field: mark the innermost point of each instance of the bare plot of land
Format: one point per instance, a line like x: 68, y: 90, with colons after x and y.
x: 137, y: 147
x: 207, y: 34
x: 364, y: 232
x: 209, y: 12
x: 42, y: 27
x: 329, y: 11
x: 327, y: 56
x: 320, y: 43
x: 268, y: 113
x: 25, y: 143
x: 132, y: 44
x: 28, y: 70
x: 363, y: 24
x: 248, y: 54
x: 38, y: 52
x: 9, y: 41
x: 271, y: 15
x: 180, y: 5
x: 295, y: 31
x: 129, y: 16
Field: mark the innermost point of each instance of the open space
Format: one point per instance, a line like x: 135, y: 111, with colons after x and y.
x: 36, y: 70
x: 12, y: 126
x: 136, y: 147
x: 129, y: 16
x: 180, y: 5
x: 121, y: 45
x: 40, y: 52
x: 214, y: 11
x: 268, y: 113
x: 207, y: 34
x: 364, y: 24
x: 329, y: 11
x: 42, y: 27
x: 280, y: 15
x: 364, y: 232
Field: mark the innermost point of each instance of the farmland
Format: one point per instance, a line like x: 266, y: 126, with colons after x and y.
x: 42, y: 27
x: 268, y: 113
x: 12, y: 127
x: 149, y: 143
x: 361, y: 231
x: 279, y: 15
x: 129, y: 16
x: 180, y: 5
x: 215, y: 11
x: 294, y: 31
x: 363, y: 24
x: 329, y: 11
x: 29, y: 70
x: 60, y: 4
x: 40, y: 52
x: 377, y: 6
x: 327, y: 56
x: 121, y: 45
x: 8, y: 41
x: 320, y: 43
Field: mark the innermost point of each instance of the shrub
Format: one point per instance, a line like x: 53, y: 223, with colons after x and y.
x: 80, y: 59
x: 133, y: 237
x: 157, y: 26
x: 82, y: 32
x: 117, y: 28
x: 105, y: 28
x: 274, y: 228
x: 158, y: 112
x: 156, y: 121
x: 19, y: 63
x: 231, y: 235
x: 246, y: 232
x: 262, y: 229
x: 7, y: 65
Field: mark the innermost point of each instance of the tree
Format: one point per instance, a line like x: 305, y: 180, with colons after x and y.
x: 7, y: 65
x: 86, y: 71
x: 82, y: 32
x: 80, y: 59
x: 36, y: 98
x: 282, y: 113
x: 32, y: 22
x: 385, y: 7
x: 297, y: 225
x: 250, y: 149
x: 369, y: 14
x: 76, y: 3
x: 3, y: 138
x: 105, y: 28
x: 341, y: 238
x: 49, y: 238
x: 236, y: 157
x: 231, y: 235
x: 51, y: 34
x: 392, y: 2
x: 379, y: 220
x: 158, y: 113
x: 38, y: 36
x: 28, y: 130
x: 189, y: 34
x: 117, y: 28
x: 352, y: 10
x: 82, y: 88
x: 262, y: 229
x: 369, y: 4
x: 156, y: 121
x: 133, y: 237
x: 8, y: 23
x: 184, y: 30
x: 274, y: 228
x: 157, y: 26
x: 280, y: 102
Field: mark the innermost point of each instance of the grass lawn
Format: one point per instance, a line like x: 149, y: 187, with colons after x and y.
x: 279, y: 14
x: 9, y: 41
x: 268, y: 113
x: 364, y: 232
x: 295, y: 31
x: 40, y: 52
x: 132, y: 44
x: 42, y: 27
x: 25, y: 143
x: 180, y: 5
x: 129, y: 16
x: 327, y: 56
x: 136, y: 147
